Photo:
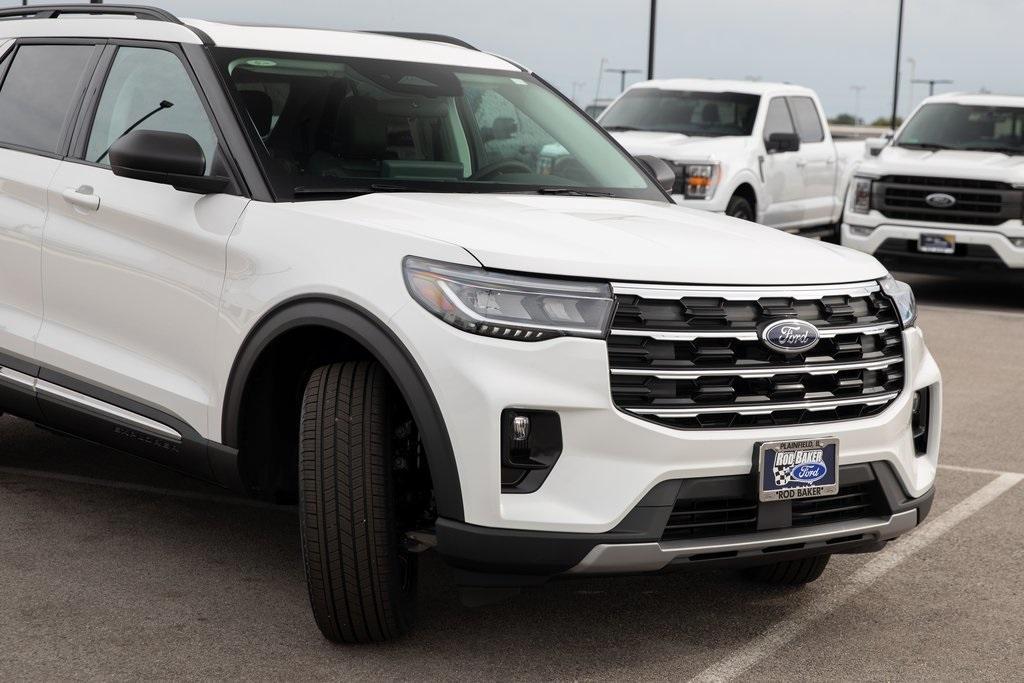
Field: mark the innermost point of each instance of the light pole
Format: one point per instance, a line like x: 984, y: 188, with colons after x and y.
x: 913, y: 74
x: 622, y: 76
x: 856, y: 106
x: 575, y: 85
x: 650, y: 40
x: 896, y: 77
x: 931, y: 83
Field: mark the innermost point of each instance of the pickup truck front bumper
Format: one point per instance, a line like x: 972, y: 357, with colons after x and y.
x: 894, y: 243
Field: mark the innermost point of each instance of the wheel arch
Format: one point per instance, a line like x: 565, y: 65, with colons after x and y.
x: 746, y: 190
x: 364, y: 329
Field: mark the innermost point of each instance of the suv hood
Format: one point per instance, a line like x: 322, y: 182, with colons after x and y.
x: 676, y: 146
x: 605, y: 238
x: 948, y: 163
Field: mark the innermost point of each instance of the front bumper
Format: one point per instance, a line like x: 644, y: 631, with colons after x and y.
x: 638, y: 544
x: 611, y: 460
x: 985, y: 248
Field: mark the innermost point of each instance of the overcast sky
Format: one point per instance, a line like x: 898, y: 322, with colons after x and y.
x: 829, y: 45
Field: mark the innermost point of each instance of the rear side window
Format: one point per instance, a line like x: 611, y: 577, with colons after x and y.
x: 808, y: 122
x: 778, y: 119
x: 38, y: 93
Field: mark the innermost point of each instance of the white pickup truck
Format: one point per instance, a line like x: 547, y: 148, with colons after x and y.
x: 946, y: 194
x: 757, y: 151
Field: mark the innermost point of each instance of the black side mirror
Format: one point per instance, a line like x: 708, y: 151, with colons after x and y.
x: 173, y: 159
x: 782, y: 142
x: 659, y: 170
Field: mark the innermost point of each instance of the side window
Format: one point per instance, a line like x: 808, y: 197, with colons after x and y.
x: 148, y: 85
x: 778, y: 119
x: 38, y: 93
x: 808, y: 121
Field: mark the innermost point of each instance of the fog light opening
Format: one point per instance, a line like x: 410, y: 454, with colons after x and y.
x: 531, y: 442
x: 860, y: 230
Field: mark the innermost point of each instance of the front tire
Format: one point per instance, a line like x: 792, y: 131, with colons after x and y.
x: 361, y: 584
x: 791, y: 573
x: 739, y: 207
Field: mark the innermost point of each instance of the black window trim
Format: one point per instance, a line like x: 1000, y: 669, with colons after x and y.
x: 785, y: 101
x: 76, y: 100
x: 817, y: 113
x: 87, y: 112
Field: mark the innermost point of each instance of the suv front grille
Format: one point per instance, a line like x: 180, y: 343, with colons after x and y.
x: 978, y: 202
x: 692, y: 358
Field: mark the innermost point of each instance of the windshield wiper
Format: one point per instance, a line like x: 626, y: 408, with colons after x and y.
x: 307, y: 190
x: 621, y: 129
x: 922, y: 145
x: 572, y: 192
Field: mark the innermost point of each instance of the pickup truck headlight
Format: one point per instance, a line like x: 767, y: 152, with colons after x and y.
x: 697, y: 181
x: 862, y: 195
x: 509, y: 306
x: 903, y: 296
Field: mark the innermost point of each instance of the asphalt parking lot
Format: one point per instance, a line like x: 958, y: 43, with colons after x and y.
x: 112, y: 568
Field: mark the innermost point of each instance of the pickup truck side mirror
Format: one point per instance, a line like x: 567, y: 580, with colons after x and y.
x: 875, y: 146
x: 782, y: 142
x: 167, y: 158
x: 659, y: 170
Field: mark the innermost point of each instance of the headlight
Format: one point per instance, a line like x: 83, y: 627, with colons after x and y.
x: 861, y: 195
x: 696, y: 181
x: 903, y: 296
x: 509, y: 306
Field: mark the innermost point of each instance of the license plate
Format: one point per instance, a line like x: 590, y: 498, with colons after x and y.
x: 933, y: 243
x: 789, y: 470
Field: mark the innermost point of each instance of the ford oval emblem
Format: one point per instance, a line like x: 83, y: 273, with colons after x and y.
x: 808, y: 472
x: 940, y: 200
x: 790, y: 336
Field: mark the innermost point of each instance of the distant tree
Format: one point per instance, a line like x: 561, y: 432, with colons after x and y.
x: 885, y: 121
x: 843, y: 120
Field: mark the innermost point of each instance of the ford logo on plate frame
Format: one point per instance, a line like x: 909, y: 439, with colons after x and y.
x: 790, y: 336
x: 940, y: 200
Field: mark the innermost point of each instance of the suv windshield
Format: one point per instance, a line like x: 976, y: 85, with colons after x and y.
x: 702, y: 114
x: 947, y: 125
x: 343, y: 126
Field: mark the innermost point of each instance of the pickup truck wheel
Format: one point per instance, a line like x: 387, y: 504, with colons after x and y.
x: 790, y: 572
x: 361, y: 583
x: 739, y: 207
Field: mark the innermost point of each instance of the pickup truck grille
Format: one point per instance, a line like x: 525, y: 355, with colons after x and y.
x: 978, y: 202
x: 691, y: 358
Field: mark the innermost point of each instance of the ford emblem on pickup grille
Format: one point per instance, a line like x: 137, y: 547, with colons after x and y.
x: 940, y: 200
x: 790, y: 336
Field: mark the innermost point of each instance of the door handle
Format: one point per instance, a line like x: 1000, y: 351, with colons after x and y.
x: 82, y: 197
x: 800, y: 163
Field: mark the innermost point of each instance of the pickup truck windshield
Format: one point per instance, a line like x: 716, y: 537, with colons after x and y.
x: 338, y: 126
x: 702, y: 114
x: 947, y: 125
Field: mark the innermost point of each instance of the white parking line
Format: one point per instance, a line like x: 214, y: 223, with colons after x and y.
x: 781, y: 633
x: 127, y: 486
x: 976, y: 470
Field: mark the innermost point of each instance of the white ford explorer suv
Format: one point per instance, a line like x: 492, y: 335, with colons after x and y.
x: 758, y: 151
x: 308, y: 265
x: 947, y: 194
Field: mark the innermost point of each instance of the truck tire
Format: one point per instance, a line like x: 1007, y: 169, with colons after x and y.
x: 361, y: 584
x: 739, y: 207
x: 790, y: 572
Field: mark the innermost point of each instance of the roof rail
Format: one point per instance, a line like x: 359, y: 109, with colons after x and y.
x: 137, y: 11
x: 435, y: 37
x: 54, y: 11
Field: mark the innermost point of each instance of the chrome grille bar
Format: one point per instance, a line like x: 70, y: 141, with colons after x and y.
x: 811, y: 369
x: 766, y: 408
x: 746, y: 335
